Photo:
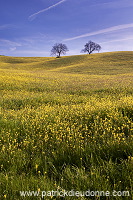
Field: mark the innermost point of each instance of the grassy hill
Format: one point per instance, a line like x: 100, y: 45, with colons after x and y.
x: 67, y: 123
x: 103, y: 63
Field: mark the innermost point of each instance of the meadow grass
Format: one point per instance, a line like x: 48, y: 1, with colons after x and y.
x: 67, y: 124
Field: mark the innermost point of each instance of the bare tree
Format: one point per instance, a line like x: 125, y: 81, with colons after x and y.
x: 90, y: 47
x: 59, y: 49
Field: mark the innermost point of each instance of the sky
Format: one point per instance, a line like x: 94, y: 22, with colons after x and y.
x: 32, y: 27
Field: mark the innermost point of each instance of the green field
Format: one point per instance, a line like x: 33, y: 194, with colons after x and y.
x: 67, y: 123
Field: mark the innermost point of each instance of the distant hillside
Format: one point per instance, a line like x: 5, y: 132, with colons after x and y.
x: 101, y: 63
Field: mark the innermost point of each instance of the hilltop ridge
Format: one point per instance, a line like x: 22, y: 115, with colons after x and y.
x: 100, y: 63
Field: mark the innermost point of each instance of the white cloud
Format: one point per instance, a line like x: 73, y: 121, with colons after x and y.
x: 12, y: 48
x: 114, y: 4
x: 5, y: 26
x: 117, y: 40
x: 33, y: 16
x: 102, y: 31
x: 4, y: 42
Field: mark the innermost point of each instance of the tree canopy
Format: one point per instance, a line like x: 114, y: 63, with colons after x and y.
x: 90, y: 46
x: 59, y: 49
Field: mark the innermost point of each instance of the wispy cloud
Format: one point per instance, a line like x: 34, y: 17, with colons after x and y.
x: 114, y: 4
x: 36, y: 39
x: 33, y: 16
x: 117, y: 40
x: 102, y: 31
x: 5, y: 26
x: 12, y: 48
x: 9, y: 43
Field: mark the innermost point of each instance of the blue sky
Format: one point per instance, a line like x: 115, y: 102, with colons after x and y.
x: 32, y: 27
